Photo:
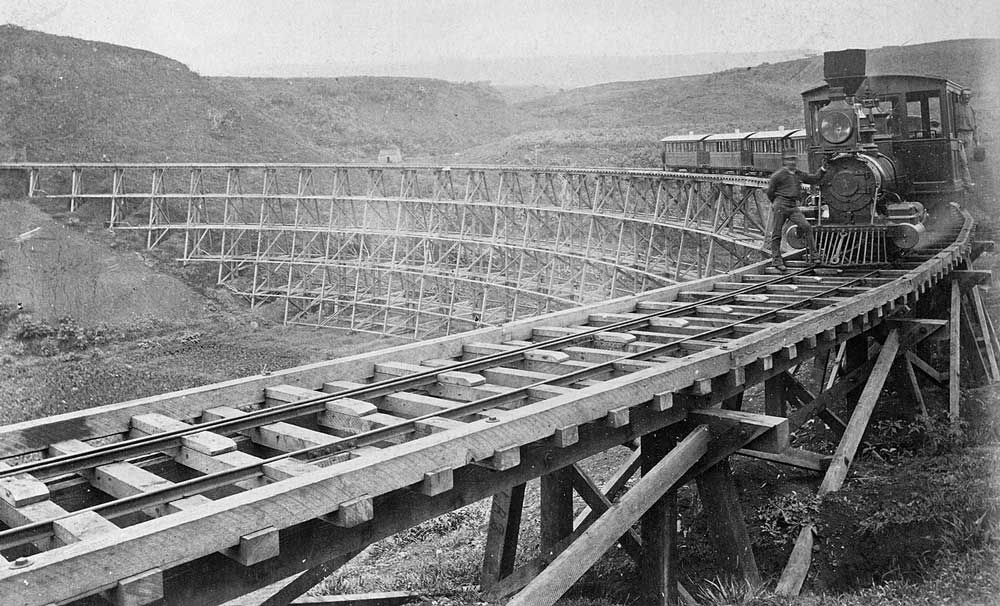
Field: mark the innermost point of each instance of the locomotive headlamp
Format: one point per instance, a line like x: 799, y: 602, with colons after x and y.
x: 836, y: 127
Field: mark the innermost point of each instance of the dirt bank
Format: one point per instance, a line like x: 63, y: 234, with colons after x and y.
x: 54, y: 270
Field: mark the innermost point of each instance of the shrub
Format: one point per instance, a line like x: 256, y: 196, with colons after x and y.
x: 924, y: 435
x: 29, y: 330
x: 67, y: 334
x: 781, y: 521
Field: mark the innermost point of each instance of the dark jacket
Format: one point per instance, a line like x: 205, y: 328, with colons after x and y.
x: 965, y: 118
x: 787, y: 184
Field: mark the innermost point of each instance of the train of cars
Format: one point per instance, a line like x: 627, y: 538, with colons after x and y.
x: 895, y: 147
x: 751, y: 153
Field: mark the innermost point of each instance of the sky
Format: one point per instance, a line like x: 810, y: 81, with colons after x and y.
x: 232, y: 37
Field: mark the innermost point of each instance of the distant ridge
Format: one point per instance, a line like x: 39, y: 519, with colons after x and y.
x: 756, y: 96
x: 551, y: 72
x: 619, y: 122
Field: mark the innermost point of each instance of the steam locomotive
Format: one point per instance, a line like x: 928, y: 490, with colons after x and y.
x: 894, y: 147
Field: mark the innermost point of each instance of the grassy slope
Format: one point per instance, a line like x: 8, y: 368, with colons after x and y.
x: 353, y: 117
x: 70, y: 99
x: 66, y: 98
x: 73, y: 99
x: 626, y: 118
x: 760, y: 96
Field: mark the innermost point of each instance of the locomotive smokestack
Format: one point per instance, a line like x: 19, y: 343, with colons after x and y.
x: 845, y: 69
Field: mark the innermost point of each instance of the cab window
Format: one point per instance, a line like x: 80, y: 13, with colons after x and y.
x: 923, y: 115
x: 885, y: 115
x: 953, y: 110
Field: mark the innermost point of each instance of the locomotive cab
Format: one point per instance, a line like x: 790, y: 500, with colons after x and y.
x: 914, y: 121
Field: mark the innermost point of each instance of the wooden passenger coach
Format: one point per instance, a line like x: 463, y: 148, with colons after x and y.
x: 685, y: 151
x: 767, y: 148
x: 729, y: 150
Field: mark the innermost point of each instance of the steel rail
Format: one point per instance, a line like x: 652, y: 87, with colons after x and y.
x: 111, y: 453
x: 492, y: 168
x: 116, y: 508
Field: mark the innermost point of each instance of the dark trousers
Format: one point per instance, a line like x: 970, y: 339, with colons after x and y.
x: 782, y: 211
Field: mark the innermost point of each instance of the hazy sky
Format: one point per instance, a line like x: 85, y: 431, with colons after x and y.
x: 227, y: 36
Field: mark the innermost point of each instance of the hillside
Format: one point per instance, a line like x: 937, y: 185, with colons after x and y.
x: 66, y: 98
x: 351, y: 118
x: 757, y: 96
x: 61, y: 270
x: 563, y: 125
x: 70, y: 99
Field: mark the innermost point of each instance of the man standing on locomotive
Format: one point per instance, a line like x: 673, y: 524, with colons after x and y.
x: 965, y: 124
x: 784, y: 192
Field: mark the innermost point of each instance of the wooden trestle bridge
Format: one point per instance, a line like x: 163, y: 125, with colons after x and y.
x: 419, y: 250
x: 204, y: 495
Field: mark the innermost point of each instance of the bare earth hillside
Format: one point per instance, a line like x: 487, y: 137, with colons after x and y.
x: 58, y: 269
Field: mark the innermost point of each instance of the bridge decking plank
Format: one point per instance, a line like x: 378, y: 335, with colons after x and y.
x: 188, y: 404
x: 397, y: 466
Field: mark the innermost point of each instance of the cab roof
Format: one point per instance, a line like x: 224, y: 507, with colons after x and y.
x: 923, y: 79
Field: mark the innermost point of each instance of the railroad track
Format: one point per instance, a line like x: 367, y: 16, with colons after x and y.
x: 128, y: 498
